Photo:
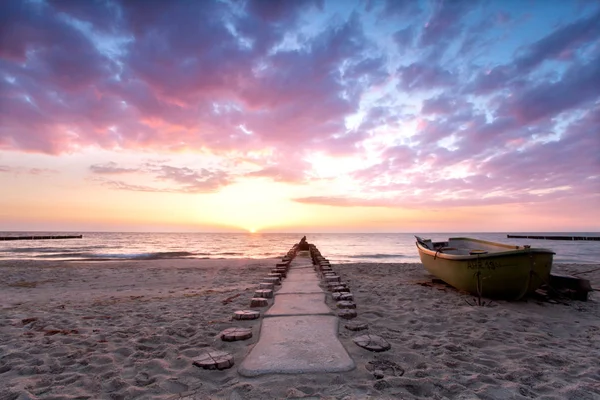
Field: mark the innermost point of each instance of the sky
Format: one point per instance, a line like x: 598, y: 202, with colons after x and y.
x: 300, y: 116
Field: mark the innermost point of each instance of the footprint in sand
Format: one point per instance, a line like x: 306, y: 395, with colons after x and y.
x: 173, y: 386
x: 144, y: 379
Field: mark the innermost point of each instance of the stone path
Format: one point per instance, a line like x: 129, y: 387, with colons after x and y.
x: 299, y: 332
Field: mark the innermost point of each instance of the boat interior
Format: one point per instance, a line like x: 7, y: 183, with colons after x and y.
x: 465, y: 246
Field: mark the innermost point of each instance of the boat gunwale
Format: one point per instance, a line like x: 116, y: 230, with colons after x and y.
x: 514, y: 250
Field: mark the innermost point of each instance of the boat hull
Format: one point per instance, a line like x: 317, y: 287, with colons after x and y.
x: 508, y: 274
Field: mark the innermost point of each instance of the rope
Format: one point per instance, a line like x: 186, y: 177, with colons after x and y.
x: 556, y: 292
x: 585, y: 272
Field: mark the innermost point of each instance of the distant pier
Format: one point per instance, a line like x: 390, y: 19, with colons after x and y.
x: 597, y: 238
x: 40, y: 237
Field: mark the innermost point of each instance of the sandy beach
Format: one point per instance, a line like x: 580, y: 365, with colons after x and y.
x: 131, y: 329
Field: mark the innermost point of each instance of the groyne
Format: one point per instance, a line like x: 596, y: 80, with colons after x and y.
x: 545, y: 237
x: 40, y: 237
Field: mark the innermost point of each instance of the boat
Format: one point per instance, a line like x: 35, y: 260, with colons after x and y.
x: 487, y: 269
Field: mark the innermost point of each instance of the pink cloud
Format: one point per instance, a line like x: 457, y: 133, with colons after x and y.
x: 176, y: 179
x: 6, y: 169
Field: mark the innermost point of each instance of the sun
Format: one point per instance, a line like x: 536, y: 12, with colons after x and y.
x: 252, y: 230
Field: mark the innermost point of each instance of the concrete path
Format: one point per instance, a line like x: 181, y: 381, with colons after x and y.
x: 299, y: 332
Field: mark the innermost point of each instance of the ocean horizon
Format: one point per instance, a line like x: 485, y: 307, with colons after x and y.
x: 338, y: 247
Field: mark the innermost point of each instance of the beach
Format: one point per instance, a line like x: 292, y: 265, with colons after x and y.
x: 131, y: 329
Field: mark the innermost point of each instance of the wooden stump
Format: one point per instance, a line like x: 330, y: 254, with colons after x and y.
x: 346, y: 304
x: 279, y: 271
x: 339, y: 288
x: 372, y: 343
x: 214, y: 360
x: 356, y: 326
x: 274, y: 281
x: 259, y: 302
x: 332, y: 279
x: 233, y: 334
x: 346, y: 296
x: 246, y: 314
x: 342, y: 296
x: 266, y: 285
x: 265, y: 293
x: 347, y: 314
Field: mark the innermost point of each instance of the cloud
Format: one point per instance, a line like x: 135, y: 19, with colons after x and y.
x: 422, y: 76
x: 175, y: 179
x: 438, y: 103
x: 110, y: 168
x: 120, y: 185
x: 193, y: 181
x: 404, y: 37
x: 154, y: 78
x: 342, y: 201
x: 561, y: 43
x: 280, y: 174
x: 391, y: 9
x: 445, y: 22
x: 27, y: 171
x: 577, y: 86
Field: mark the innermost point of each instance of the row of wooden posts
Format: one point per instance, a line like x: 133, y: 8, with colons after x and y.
x: 41, y: 237
x: 340, y: 291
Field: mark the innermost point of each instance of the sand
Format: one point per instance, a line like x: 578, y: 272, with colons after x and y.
x: 125, y: 330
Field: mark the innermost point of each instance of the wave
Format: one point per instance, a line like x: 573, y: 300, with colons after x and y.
x: 32, y: 249
x: 376, y: 256
x: 122, y: 256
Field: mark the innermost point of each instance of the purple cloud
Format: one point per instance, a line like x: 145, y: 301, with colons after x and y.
x: 445, y: 21
x: 421, y: 76
x: 565, y: 41
x: 576, y: 87
x: 257, y: 77
x: 557, y: 44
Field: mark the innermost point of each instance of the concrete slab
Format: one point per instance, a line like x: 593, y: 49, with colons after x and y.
x: 303, y: 266
x: 302, y: 275
x: 292, y: 345
x: 300, y: 287
x: 299, y: 304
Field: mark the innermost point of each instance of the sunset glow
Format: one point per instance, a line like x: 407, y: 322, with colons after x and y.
x: 300, y: 116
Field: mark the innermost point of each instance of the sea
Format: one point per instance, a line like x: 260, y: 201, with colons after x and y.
x: 337, y: 247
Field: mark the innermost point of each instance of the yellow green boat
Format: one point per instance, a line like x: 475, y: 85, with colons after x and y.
x: 489, y: 269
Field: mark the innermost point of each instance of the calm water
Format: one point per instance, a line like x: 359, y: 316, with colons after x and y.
x: 338, y: 247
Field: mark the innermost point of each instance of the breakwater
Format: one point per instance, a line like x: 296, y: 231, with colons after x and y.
x: 553, y: 237
x: 40, y: 237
